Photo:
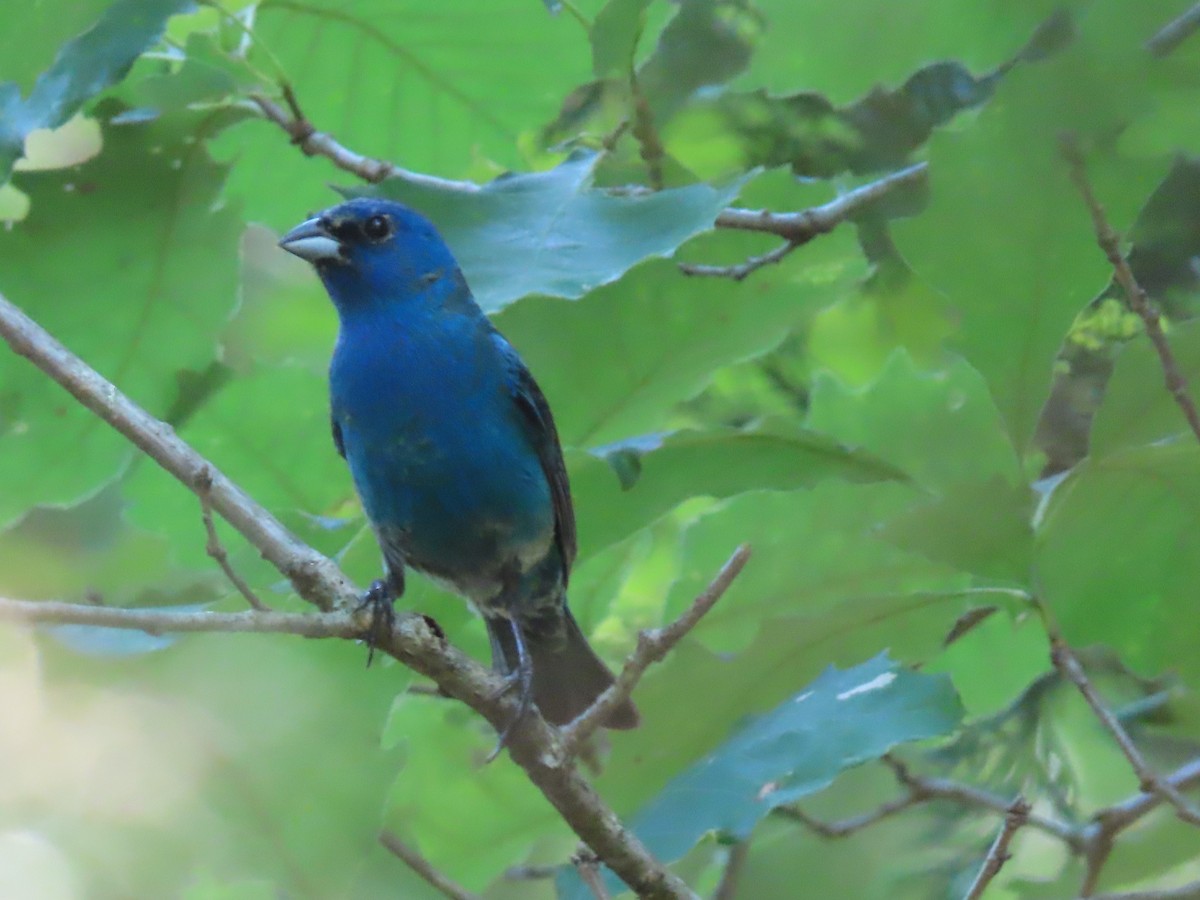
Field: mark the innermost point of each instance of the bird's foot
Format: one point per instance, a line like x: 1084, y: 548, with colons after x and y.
x: 521, y: 679
x: 380, y: 599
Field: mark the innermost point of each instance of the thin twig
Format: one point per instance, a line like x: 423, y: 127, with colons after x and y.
x: 531, y: 873
x: 1175, y: 32
x: 1066, y: 663
x: 845, y: 827
x: 534, y: 746
x: 645, y: 132
x: 1121, y: 815
x: 1138, y: 301
x: 652, y: 646
x: 743, y: 270
x: 798, y: 228
x: 588, y: 867
x: 337, y: 624
x: 998, y: 855
x: 317, y: 143
x: 423, y: 867
x: 215, y: 549
x: 968, y: 795
x: 315, y: 577
x: 734, y: 863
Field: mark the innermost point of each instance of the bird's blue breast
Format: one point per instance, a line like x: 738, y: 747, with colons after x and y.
x: 438, y: 452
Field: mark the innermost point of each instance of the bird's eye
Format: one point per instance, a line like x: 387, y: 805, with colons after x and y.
x: 377, y: 228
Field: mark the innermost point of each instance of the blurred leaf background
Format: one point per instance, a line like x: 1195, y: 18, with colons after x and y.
x: 940, y: 406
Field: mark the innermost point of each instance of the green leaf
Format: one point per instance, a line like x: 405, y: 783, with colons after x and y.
x: 429, y: 91
x: 896, y: 40
x: 1137, y: 407
x: 1118, y: 551
x: 816, y: 552
x: 35, y: 32
x: 444, y: 778
x: 208, y: 74
x: 83, y: 68
x: 620, y: 489
x: 558, y: 236
x: 841, y: 720
x: 1028, y: 261
x: 656, y: 337
x: 615, y: 35
x: 269, y: 431
x: 142, y: 275
x: 978, y: 527
x: 940, y: 426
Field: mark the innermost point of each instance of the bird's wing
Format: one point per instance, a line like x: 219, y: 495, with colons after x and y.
x: 535, y: 412
x: 337, y: 438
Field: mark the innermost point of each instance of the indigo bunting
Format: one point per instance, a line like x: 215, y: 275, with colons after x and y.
x: 452, y: 447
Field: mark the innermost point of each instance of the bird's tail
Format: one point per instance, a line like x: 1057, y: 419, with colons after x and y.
x: 567, y: 674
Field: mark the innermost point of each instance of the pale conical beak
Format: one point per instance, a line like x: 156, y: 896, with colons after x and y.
x: 309, y: 240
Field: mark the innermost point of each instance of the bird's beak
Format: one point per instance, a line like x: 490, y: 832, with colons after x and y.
x: 309, y: 240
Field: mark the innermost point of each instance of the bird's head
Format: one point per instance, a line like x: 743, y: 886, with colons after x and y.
x: 367, y: 249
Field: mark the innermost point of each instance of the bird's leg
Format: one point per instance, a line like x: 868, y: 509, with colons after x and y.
x: 381, y: 599
x: 521, y: 678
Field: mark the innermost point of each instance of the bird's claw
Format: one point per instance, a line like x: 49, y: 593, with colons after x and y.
x: 521, y: 679
x: 380, y: 600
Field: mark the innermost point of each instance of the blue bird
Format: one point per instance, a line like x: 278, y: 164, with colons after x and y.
x: 452, y: 447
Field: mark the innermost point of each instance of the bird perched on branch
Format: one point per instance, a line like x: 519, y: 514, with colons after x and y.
x: 452, y: 447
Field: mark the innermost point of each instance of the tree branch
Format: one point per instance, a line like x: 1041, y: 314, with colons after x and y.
x: 1066, y: 663
x: 652, y: 646
x: 337, y: 624
x: 423, y: 867
x: 798, y: 228
x: 534, y: 745
x: 923, y: 789
x: 998, y: 855
x: 588, y: 867
x: 743, y: 270
x: 736, y: 861
x: 1174, y: 33
x: 216, y: 550
x: 1138, y: 301
x: 317, y: 143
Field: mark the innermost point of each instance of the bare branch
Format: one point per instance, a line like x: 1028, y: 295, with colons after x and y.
x: 743, y: 270
x: 1138, y: 301
x: 530, y: 873
x: 736, y: 861
x: 423, y: 867
x: 1122, y: 815
x: 318, y: 143
x: 652, y: 646
x: 798, y: 228
x: 1066, y: 663
x: 998, y: 855
x: 337, y: 624
x: 314, y: 577
x: 588, y: 867
x: 801, y: 227
x: 1174, y: 33
x: 846, y: 827
x: 534, y: 745
x: 968, y: 795
x: 215, y: 549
